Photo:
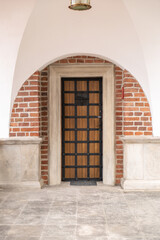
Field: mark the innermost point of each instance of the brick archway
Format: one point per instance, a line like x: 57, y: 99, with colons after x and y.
x: 30, y: 111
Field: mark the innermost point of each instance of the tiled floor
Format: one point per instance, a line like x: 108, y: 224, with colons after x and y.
x: 79, y: 213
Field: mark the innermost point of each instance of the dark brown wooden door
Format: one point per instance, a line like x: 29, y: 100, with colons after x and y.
x: 81, y: 129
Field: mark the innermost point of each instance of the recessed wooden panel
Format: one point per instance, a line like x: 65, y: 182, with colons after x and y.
x: 69, y: 147
x: 81, y: 110
x: 81, y: 135
x: 69, y: 111
x: 70, y: 173
x: 94, y: 98
x: 69, y: 85
x: 81, y: 85
x: 94, y: 123
x: 82, y: 160
x: 94, y: 160
x: 69, y: 135
x: 94, y: 111
x: 94, y: 86
x: 94, y: 148
x: 81, y: 123
x: 69, y: 123
x: 94, y: 173
x: 82, y: 173
x: 69, y: 160
x: 81, y: 147
x: 94, y: 135
x: 69, y: 98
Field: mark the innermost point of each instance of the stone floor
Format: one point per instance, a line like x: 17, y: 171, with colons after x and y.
x: 79, y: 213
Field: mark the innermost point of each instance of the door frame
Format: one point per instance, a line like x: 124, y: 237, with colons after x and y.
x: 56, y: 72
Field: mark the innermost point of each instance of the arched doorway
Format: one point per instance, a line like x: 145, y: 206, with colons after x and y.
x: 30, y: 113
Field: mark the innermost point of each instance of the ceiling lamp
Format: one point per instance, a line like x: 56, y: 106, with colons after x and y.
x: 80, y: 5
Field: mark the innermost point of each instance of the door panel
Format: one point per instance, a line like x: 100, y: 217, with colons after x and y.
x: 81, y: 160
x: 69, y: 123
x: 69, y: 160
x: 82, y: 86
x: 81, y: 111
x: 69, y: 98
x: 81, y: 129
x: 94, y: 98
x: 82, y: 123
x: 69, y: 136
x: 81, y: 147
x: 69, y: 85
x: 81, y: 135
x: 94, y: 85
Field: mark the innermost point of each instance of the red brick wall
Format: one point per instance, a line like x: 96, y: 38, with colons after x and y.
x: 44, y: 125
x: 25, y: 118
x: 30, y: 110
x: 119, y: 122
x: 136, y: 111
x: 133, y: 116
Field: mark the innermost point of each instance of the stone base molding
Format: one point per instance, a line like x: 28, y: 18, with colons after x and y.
x: 141, y: 163
x: 140, y: 184
x: 20, y: 162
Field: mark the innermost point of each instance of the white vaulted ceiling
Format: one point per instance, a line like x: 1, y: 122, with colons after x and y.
x: 39, y: 32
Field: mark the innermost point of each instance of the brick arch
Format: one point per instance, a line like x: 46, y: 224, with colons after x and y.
x: 30, y: 110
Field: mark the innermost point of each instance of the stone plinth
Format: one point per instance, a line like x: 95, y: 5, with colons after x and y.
x: 141, y: 163
x: 20, y: 161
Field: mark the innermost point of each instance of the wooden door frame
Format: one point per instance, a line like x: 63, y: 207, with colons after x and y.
x: 56, y: 72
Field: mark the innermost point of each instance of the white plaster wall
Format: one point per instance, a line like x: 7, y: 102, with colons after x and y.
x: 55, y: 31
x: 13, y: 19
x: 145, y: 15
x: 125, y: 31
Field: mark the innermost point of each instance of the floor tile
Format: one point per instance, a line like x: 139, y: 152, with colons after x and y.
x: 65, y: 220
x: 20, y: 238
x: 124, y: 231
x: 27, y: 219
x: 152, y: 237
x: 21, y: 231
x: 63, y: 203
x: 60, y: 238
x: 79, y: 213
x: 35, y: 211
x: 92, y: 238
x: 92, y: 230
x: 96, y: 219
x: 59, y: 230
x: 61, y: 211
x: 8, y: 216
x: 11, y: 204
x: 4, y: 229
x: 86, y: 211
x: 39, y: 204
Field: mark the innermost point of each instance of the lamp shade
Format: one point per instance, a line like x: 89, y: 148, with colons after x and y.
x: 80, y: 5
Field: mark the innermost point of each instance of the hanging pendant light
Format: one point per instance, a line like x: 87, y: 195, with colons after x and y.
x: 80, y: 5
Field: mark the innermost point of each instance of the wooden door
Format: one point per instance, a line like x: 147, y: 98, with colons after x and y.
x: 81, y: 129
